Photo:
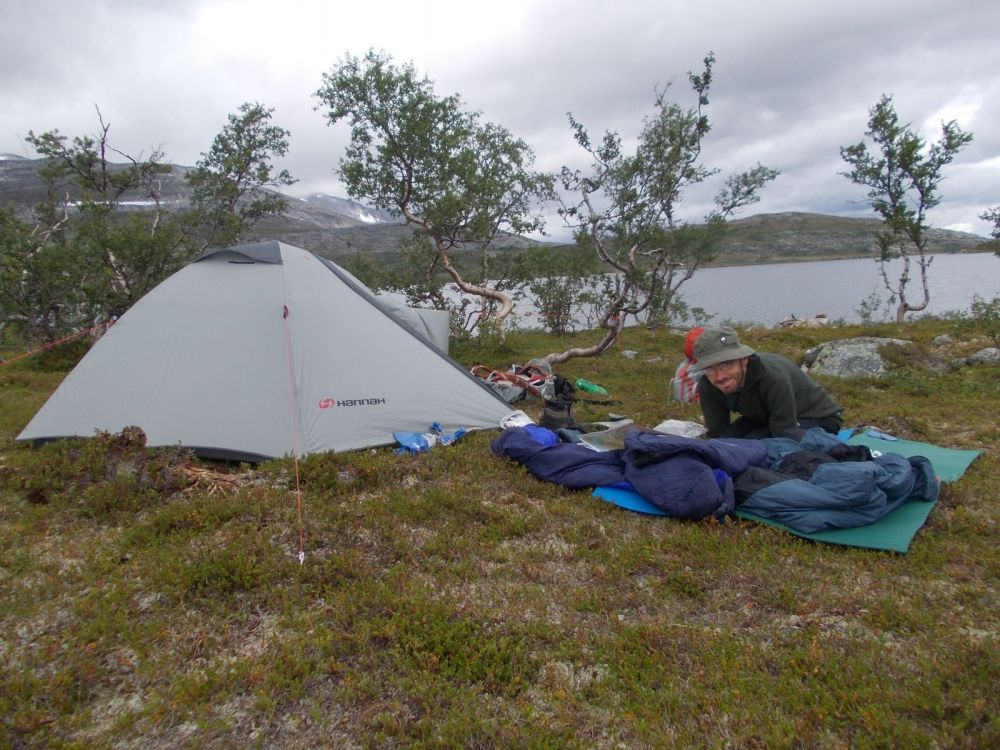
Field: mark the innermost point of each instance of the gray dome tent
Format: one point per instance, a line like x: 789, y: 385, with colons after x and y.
x: 260, y: 351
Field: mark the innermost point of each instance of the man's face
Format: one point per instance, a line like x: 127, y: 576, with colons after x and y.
x: 727, y: 376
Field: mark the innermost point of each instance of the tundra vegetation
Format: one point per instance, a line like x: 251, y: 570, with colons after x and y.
x: 449, y: 599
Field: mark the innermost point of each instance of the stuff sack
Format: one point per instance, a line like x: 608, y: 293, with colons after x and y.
x: 684, y: 383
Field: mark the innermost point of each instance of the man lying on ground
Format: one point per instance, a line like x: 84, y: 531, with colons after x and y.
x: 771, y: 395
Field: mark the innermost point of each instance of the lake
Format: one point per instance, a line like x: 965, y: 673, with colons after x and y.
x: 767, y: 293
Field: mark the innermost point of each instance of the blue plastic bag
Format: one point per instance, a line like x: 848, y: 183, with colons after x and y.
x: 447, y: 438
x: 413, y: 442
x: 421, y: 442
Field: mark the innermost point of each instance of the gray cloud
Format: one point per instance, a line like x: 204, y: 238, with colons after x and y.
x: 793, y: 81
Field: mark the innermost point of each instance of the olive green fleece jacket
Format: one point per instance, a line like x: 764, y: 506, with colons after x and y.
x: 775, y: 393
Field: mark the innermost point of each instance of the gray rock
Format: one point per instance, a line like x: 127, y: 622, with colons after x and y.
x: 988, y: 356
x: 810, y: 356
x: 943, y: 363
x: 944, y: 339
x: 851, y: 358
x: 629, y: 354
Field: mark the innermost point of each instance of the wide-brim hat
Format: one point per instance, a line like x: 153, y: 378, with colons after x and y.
x: 716, y: 345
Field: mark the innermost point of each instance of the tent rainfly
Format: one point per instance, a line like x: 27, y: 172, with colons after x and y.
x: 260, y: 351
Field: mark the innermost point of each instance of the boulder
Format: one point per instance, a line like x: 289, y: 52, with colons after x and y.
x: 850, y: 358
x: 816, y: 321
x: 988, y: 356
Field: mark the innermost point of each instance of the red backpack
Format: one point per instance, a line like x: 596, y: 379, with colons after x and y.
x: 684, y: 384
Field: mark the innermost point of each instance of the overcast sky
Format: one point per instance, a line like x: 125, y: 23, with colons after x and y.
x: 793, y: 81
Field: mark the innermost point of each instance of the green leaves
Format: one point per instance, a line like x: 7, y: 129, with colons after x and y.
x: 82, y: 257
x: 992, y: 215
x: 231, y: 179
x: 423, y: 157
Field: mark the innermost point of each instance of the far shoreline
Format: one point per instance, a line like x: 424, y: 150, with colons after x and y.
x: 780, y: 260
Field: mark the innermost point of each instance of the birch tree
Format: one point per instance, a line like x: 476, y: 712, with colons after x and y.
x: 235, y: 181
x: 460, y: 182
x: 626, y: 208
x: 112, y: 256
x: 902, y: 173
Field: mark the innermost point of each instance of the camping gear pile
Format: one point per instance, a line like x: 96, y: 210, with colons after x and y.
x: 557, y: 393
x: 515, y: 384
x: 811, y: 484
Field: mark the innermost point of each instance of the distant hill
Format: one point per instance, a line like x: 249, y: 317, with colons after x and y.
x: 806, y: 236
x: 21, y: 187
x: 327, y: 225
x: 338, y: 228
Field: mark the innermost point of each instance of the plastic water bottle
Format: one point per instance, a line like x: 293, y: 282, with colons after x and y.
x: 586, y: 385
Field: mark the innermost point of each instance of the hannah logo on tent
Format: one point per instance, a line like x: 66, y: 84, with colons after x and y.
x: 326, y: 403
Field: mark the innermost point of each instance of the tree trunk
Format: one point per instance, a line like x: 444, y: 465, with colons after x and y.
x: 611, y: 335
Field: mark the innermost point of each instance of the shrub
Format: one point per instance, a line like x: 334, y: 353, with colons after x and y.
x: 984, y: 317
x: 99, y: 477
x: 61, y: 358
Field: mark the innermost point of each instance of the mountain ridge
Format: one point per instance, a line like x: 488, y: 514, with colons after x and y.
x: 339, y: 227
